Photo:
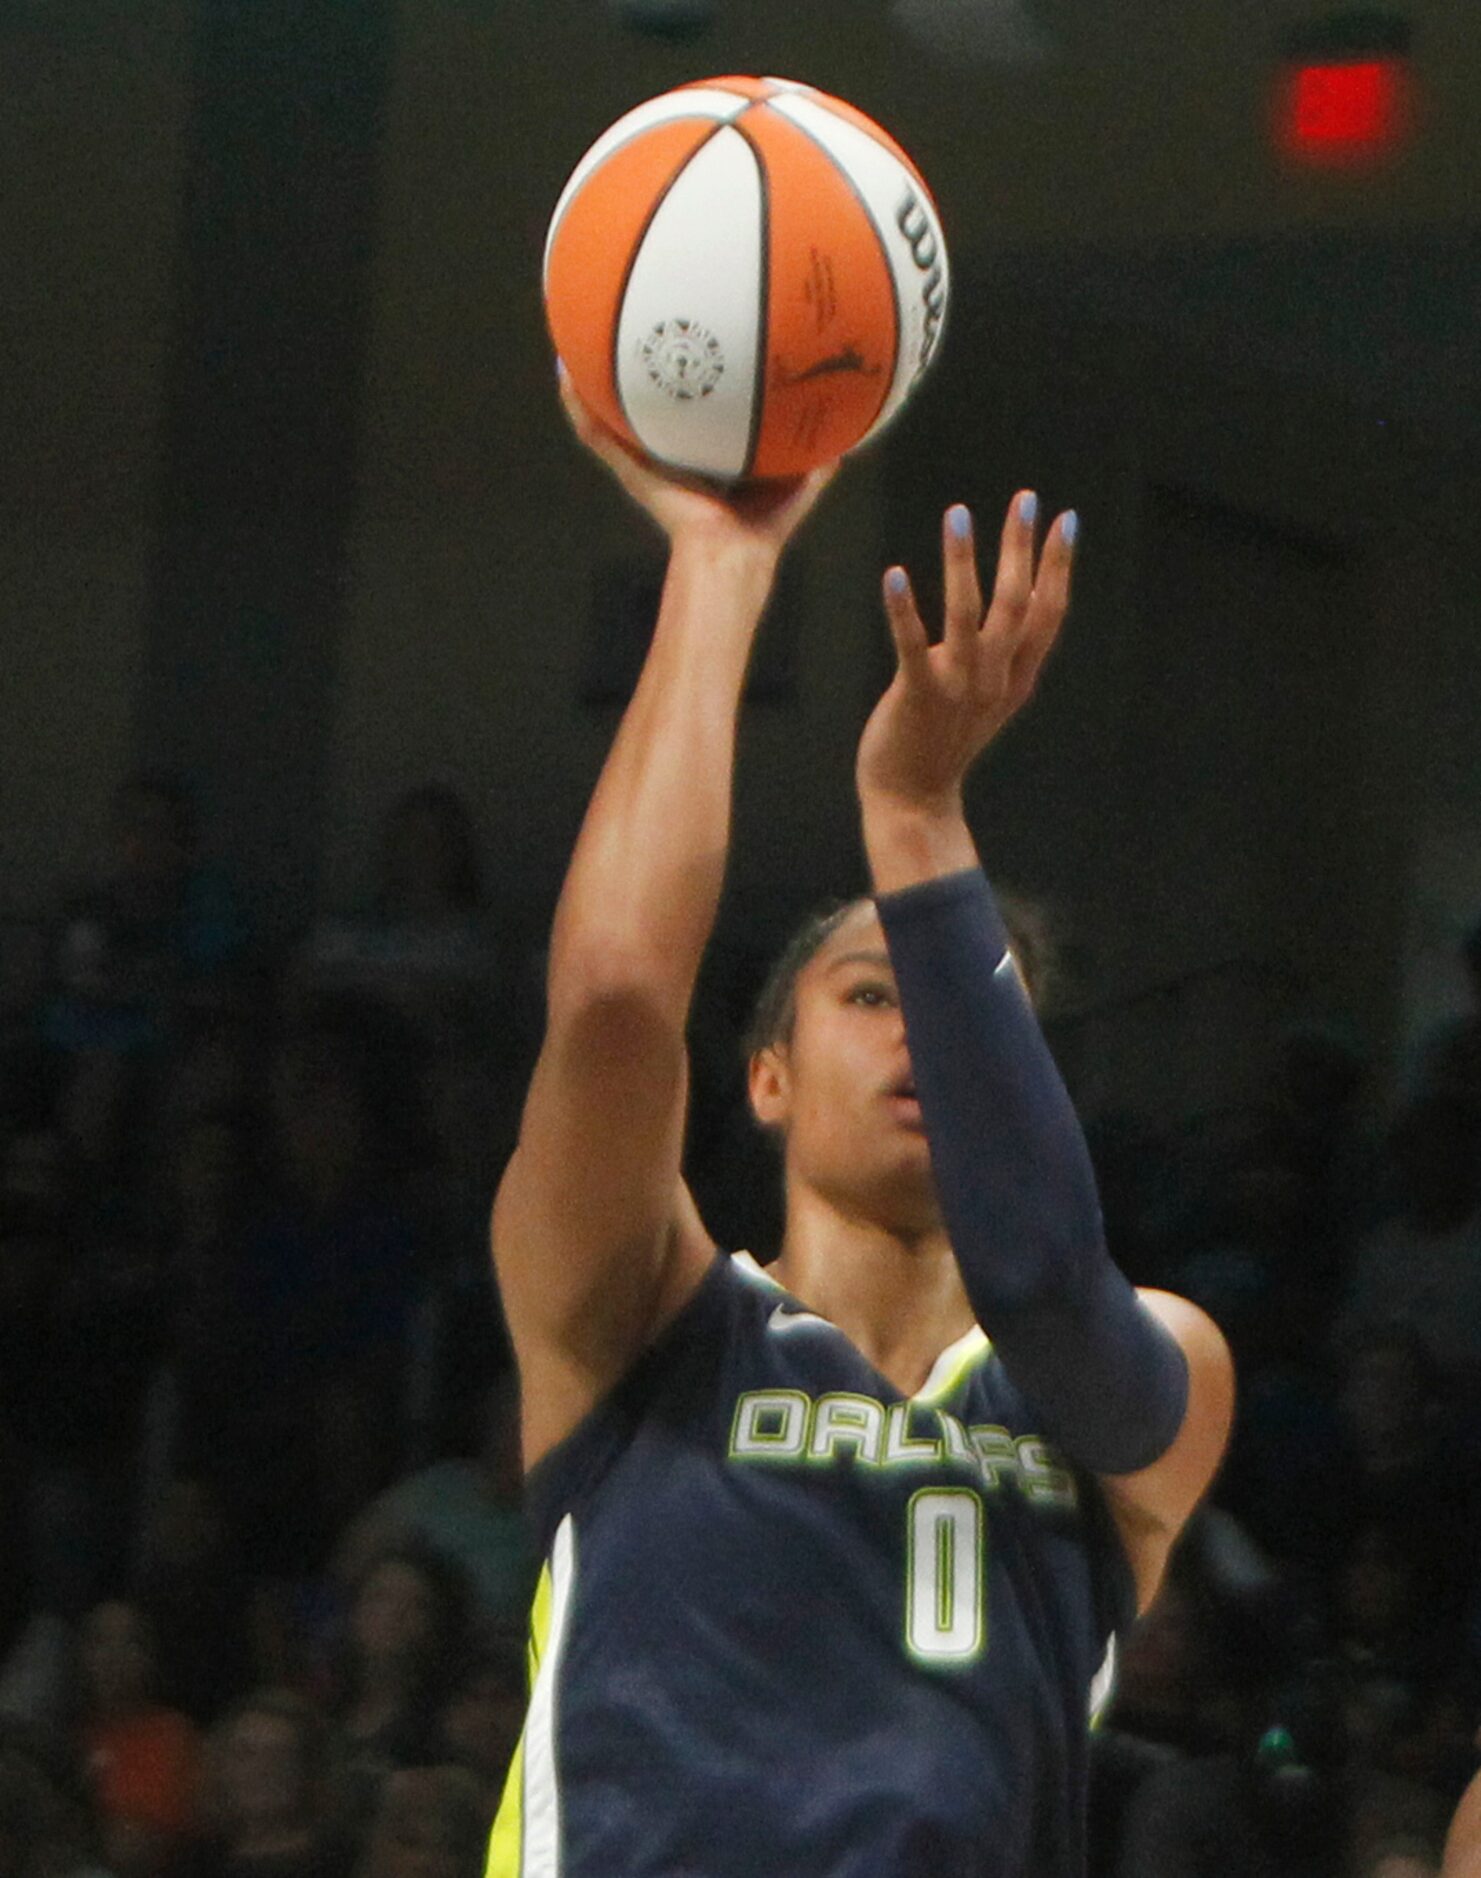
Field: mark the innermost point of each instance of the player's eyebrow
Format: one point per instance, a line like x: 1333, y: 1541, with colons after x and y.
x: 880, y: 959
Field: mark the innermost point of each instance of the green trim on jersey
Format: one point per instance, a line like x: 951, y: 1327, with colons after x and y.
x: 974, y: 1346
x: 506, y: 1842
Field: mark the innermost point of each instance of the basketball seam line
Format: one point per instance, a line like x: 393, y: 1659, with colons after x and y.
x: 761, y: 367
x: 643, y: 130
x: 632, y: 262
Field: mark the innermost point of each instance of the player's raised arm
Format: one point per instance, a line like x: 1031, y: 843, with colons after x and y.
x: 594, y: 1239
x: 1463, y: 1841
x: 1137, y: 1388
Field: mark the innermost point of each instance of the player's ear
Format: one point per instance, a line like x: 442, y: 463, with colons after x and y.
x: 769, y: 1083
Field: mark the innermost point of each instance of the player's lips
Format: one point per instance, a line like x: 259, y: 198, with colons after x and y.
x: 904, y: 1102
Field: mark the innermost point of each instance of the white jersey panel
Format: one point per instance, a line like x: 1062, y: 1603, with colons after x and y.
x: 541, y: 1811
x: 909, y: 232
x: 672, y: 106
x: 689, y: 329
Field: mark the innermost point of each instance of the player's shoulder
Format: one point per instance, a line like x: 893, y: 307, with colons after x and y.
x: 680, y: 1370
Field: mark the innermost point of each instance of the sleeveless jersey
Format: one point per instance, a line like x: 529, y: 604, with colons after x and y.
x: 793, y: 1624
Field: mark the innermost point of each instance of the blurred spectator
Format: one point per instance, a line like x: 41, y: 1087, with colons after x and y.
x: 79, y: 1335
x: 468, y: 1510
x: 46, y: 1825
x: 151, y: 937
x: 426, y: 945
x: 1292, y: 1801
x: 191, y: 1584
x: 1260, y: 1250
x: 1315, y: 1456
x: 208, y: 1181
x: 1192, y: 1678
x: 1423, y: 1267
x: 270, y: 1804
x: 217, y: 1068
x: 1449, y: 1056
x: 326, y: 1288
x: 1316, y: 1092
x: 1414, y: 1465
x: 485, y: 1712
x: 1187, y: 1673
x: 407, y: 1633
x: 143, y: 1758
x: 1163, y: 1677
x: 423, y: 942
x: 1384, y: 1617
x: 1435, y: 1749
x: 432, y: 1822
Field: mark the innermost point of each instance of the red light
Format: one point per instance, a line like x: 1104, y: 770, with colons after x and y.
x: 1343, y: 112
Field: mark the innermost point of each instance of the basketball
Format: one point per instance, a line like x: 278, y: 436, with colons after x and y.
x: 745, y: 278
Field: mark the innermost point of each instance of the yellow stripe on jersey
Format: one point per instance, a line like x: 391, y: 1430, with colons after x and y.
x: 506, y: 1844
x: 975, y: 1349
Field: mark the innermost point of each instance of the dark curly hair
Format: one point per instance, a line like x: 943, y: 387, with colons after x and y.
x: 775, y: 1010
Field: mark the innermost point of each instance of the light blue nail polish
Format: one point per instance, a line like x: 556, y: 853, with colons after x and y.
x: 1070, y: 527
x: 1028, y: 508
x: 959, y: 521
x: 895, y: 580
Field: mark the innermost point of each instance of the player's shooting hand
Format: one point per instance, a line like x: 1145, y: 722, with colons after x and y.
x: 948, y: 701
x: 758, y: 515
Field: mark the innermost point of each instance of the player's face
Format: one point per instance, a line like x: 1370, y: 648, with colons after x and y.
x: 841, y: 1089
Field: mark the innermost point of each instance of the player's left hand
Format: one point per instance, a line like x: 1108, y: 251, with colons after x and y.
x: 948, y: 701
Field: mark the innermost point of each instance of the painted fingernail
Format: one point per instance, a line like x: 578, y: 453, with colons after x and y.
x: 1070, y: 527
x: 959, y: 521
x: 895, y: 581
x: 1028, y: 508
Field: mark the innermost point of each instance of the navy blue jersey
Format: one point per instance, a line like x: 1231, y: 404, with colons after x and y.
x: 793, y: 1624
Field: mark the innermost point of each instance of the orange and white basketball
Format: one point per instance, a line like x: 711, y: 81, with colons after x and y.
x: 746, y: 278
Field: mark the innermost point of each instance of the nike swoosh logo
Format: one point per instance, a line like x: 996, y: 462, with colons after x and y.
x: 783, y: 1319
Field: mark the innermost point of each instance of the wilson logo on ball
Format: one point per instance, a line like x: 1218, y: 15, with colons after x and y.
x: 925, y: 250
x: 800, y: 242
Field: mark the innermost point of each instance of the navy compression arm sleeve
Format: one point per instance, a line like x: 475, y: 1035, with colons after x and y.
x: 1017, y: 1190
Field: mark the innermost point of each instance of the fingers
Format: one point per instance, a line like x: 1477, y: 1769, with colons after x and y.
x: 580, y: 418
x: 963, y: 591
x: 604, y: 443
x: 907, y: 628
x: 1046, y: 614
x: 1013, y: 588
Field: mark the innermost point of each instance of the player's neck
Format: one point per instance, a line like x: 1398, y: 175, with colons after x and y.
x: 898, y: 1298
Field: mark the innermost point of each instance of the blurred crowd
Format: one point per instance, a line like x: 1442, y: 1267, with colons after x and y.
x: 265, y: 1585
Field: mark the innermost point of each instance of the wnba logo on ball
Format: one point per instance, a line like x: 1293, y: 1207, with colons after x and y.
x: 683, y: 358
x: 915, y: 225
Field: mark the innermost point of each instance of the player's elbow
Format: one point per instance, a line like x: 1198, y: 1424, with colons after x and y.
x: 614, y: 991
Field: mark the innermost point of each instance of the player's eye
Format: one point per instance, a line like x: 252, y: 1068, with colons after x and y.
x: 871, y: 995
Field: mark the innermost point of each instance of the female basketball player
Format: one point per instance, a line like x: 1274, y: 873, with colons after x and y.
x: 830, y: 1575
